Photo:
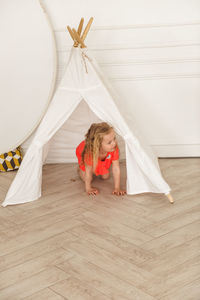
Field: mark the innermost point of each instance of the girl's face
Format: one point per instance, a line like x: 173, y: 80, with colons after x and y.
x: 109, y: 142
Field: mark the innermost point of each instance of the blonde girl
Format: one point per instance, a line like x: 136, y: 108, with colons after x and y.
x: 95, y: 156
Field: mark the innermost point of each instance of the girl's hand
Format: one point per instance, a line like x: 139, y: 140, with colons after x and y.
x: 92, y: 191
x: 118, y: 192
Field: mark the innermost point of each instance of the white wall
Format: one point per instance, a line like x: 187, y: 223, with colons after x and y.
x: 150, y: 52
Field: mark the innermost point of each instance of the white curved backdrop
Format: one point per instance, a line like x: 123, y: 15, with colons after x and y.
x: 27, y: 73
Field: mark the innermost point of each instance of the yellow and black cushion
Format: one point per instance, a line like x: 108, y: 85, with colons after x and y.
x: 11, y: 160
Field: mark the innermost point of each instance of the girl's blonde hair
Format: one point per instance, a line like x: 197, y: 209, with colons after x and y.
x: 93, y: 141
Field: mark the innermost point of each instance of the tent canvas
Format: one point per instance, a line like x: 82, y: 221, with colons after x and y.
x: 61, y: 148
x: 83, y: 80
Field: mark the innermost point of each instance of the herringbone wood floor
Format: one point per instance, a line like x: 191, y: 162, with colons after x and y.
x: 70, y: 246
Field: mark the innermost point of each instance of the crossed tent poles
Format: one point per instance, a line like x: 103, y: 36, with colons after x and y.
x: 76, y: 35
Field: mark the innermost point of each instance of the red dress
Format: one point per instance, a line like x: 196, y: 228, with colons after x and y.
x: 102, y: 165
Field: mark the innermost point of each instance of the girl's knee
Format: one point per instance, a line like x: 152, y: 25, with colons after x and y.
x: 105, y: 176
x: 81, y: 174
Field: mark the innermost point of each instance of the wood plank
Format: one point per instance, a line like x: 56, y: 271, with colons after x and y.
x: 120, y: 231
x: 164, y: 262
x: 174, y: 222
x: 46, y: 294
x: 32, y: 267
x: 108, y: 242
x: 34, y: 250
x: 33, y: 236
x: 74, y: 289
x: 174, y: 280
x: 188, y: 292
x: 29, y: 286
x: 103, y: 281
x: 118, y: 266
x: 173, y: 239
x: 112, y: 211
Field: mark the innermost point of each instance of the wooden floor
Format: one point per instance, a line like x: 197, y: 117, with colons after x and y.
x: 67, y: 245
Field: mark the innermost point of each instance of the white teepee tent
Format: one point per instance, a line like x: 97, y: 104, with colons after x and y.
x: 82, y: 80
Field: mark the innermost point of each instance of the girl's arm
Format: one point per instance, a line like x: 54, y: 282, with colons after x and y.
x: 116, y: 175
x: 88, y: 181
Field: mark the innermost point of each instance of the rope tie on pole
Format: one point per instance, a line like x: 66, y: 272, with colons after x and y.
x: 84, y: 56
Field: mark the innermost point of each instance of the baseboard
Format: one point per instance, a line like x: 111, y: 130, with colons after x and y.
x: 177, y: 150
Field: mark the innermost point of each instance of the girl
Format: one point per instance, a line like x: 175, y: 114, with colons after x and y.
x: 96, y: 154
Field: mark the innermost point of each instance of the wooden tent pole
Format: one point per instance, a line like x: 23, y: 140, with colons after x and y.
x: 72, y: 36
x: 169, y: 196
x: 78, y: 38
x: 76, y: 35
x: 87, y: 28
x: 80, y: 26
x: 71, y: 33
